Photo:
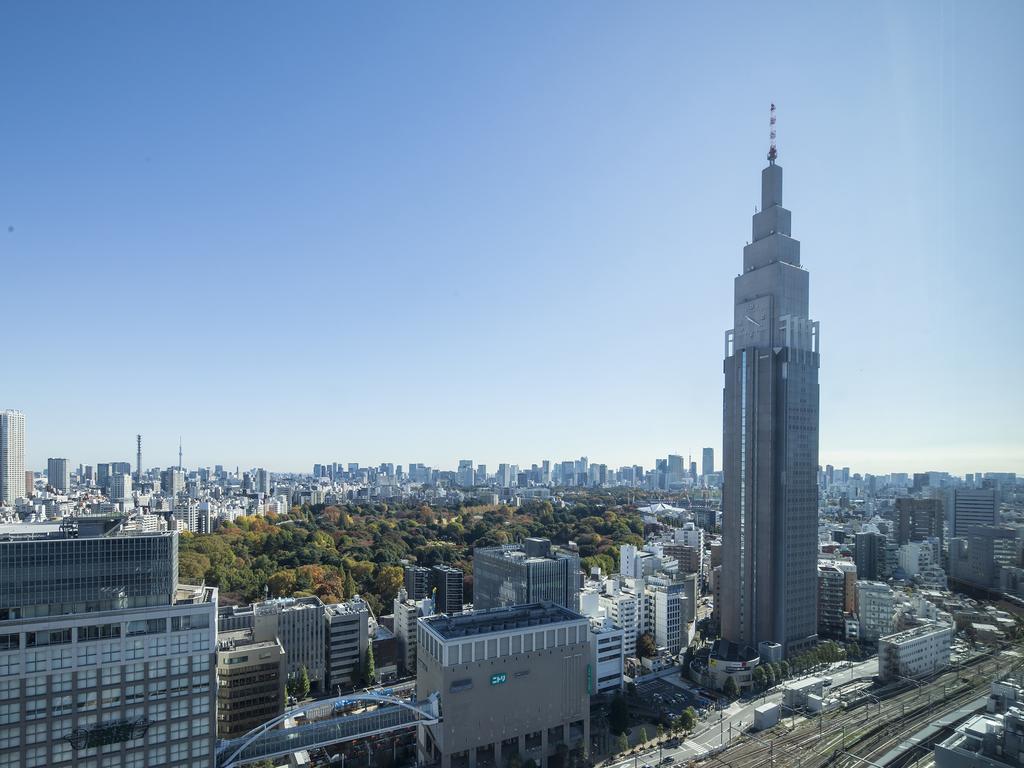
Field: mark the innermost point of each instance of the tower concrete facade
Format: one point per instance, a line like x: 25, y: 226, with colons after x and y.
x: 770, y: 441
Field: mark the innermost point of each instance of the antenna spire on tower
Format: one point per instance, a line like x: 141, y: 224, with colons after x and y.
x: 772, y: 151
x: 179, y: 452
x: 138, y: 459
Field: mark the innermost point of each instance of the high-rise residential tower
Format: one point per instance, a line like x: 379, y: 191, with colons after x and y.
x: 770, y: 440
x: 12, y: 456
x: 58, y: 475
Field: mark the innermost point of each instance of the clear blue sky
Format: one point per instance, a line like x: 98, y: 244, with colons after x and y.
x: 501, y: 231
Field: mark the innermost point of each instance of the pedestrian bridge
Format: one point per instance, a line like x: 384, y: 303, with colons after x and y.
x: 275, y: 739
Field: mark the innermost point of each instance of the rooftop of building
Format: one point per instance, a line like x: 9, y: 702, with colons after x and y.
x: 661, y: 507
x: 914, y: 632
x: 531, y: 550
x: 723, y: 650
x: 187, y: 594
x: 600, y: 625
x: 78, y: 527
x: 237, y: 639
x: 351, y: 607
x: 983, y: 734
x: 278, y: 604
x: 806, y: 684
x: 501, y: 619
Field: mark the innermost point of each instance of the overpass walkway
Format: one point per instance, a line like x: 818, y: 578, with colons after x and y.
x: 275, y: 738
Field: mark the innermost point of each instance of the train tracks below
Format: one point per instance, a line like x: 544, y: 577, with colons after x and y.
x: 861, y: 736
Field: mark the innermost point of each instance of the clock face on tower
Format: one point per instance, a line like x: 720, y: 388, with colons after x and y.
x: 753, y: 324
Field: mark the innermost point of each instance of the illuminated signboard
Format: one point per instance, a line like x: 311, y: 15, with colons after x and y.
x: 499, y: 678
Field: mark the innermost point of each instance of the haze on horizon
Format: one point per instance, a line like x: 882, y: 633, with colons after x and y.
x: 505, y: 233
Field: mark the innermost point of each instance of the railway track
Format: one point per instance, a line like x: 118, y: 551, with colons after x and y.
x: 848, y: 738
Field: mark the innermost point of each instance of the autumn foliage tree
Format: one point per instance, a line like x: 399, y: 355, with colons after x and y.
x: 340, y: 550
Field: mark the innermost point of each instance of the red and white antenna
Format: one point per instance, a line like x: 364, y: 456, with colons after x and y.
x: 772, y: 151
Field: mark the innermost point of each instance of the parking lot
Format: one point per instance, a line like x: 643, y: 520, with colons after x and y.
x: 672, y: 699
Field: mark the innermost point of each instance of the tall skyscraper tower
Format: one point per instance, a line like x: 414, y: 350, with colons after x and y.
x: 770, y: 440
x: 707, y: 461
x: 12, y: 456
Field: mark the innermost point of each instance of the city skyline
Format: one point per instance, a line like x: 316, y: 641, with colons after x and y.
x: 647, y: 462
x: 364, y: 248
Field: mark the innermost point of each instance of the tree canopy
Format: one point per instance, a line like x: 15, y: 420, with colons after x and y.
x: 337, y: 551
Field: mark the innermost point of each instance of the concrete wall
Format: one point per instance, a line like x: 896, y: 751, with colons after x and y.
x: 531, y: 693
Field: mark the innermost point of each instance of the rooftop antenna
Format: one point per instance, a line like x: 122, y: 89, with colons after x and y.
x: 772, y: 151
x: 179, y: 453
x: 138, y: 459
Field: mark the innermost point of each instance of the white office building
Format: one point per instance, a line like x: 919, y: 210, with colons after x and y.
x: 876, y: 608
x: 669, y: 615
x: 914, y: 652
x: 606, y: 656
x: 622, y: 606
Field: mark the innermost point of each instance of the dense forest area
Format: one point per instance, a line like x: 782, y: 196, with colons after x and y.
x: 336, y: 552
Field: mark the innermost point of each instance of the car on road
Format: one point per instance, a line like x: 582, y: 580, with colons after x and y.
x: 668, y: 760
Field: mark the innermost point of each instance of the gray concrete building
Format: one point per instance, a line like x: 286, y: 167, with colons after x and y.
x: 919, y: 520
x: 770, y: 440
x: 298, y: 622
x: 869, y: 555
x: 972, y: 507
x: 102, y: 651
x: 417, y: 582
x: 347, y: 636
x: 831, y: 601
x: 512, y: 681
x: 58, y: 474
x: 980, y: 556
x: 446, y: 589
x: 533, y: 571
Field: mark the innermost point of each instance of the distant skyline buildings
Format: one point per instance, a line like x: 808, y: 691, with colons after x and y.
x: 549, y: 471
x: 39, y: 449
